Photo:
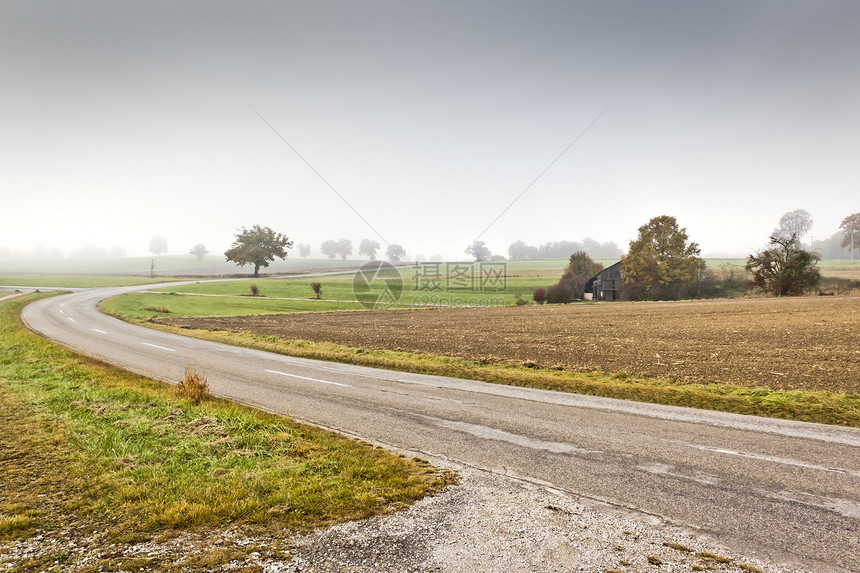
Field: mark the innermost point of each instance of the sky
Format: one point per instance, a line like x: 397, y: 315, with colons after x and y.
x: 426, y: 124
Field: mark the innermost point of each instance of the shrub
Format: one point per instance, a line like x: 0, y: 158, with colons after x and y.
x: 784, y: 269
x: 539, y: 295
x: 193, y: 386
x: 317, y: 289
x: 255, y: 291
x: 560, y: 293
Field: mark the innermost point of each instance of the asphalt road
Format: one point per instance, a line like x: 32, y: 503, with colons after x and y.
x: 784, y: 491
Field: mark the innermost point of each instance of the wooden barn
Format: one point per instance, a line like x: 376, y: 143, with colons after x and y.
x: 606, y: 285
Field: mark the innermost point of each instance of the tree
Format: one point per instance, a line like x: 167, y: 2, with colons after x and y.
x: 317, y: 288
x: 304, y: 250
x: 395, y: 252
x: 520, y: 250
x: 329, y: 248
x: 571, y: 286
x: 784, y: 269
x: 660, y: 263
x: 199, y: 251
x: 579, y: 270
x: 368, y: 248
x: 479, y: 250
x: 539, y: 295
x: 344, y: 248
x: 558, y: 249
x: 258, y: 246
x: 849, y: 226
x: 157, y: 245
x: 797, y: 223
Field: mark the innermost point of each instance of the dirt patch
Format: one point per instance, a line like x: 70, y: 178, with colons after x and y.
x: 789, y: 343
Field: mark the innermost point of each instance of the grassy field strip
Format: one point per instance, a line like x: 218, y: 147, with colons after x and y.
x: 89, y: 447
x: 305, y: 299
x: 313, y: 300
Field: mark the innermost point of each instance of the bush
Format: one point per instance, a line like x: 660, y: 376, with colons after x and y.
x: 255, y: 291
x: 560, y: 293
x: 193, y: 386
x: 317, y: 289
x: 539, y: 295
x: 784, y: 269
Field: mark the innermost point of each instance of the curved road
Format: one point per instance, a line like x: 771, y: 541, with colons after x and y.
x: 788, y: 492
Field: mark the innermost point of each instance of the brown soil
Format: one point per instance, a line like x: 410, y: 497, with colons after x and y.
x: 790, y: 343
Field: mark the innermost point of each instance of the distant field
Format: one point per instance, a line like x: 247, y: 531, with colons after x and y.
x: 166, y: 265
x: 75, y: 281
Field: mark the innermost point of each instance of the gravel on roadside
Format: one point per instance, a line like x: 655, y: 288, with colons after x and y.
x: 488, y: 522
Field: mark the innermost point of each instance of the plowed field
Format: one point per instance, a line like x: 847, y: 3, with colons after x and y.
x: 790, y: 343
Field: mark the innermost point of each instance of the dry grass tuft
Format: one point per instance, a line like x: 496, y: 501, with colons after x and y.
x: 193, y: 386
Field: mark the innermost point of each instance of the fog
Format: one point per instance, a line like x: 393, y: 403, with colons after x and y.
x: 424, y: 124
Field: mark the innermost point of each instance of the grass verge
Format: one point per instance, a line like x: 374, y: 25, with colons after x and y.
x: 809, y: 406
x: 88, y: 446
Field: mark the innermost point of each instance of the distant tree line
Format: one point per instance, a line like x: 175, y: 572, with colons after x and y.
x: 662, y: 264
x: 563, y: 249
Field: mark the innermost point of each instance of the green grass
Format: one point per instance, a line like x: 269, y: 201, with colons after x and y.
x: 340, y: 288
x: 143, y: 306
x: 334, y: 288
x: 523, y: 278
x: 88, y: 445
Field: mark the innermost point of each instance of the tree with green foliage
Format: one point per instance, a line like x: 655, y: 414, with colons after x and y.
x: 158, y: 245
x: 329, y: 248
x: 395, y: 252
x: 850, y: 225
x: 571, y: 286
x: 199, y: 251
x: 660, y: 263
x: 784, y: 269
x: 367, y: 248
x: 304, y: 250
x: 479, y: 250
x: 258, y: 246
x: 344, y: 248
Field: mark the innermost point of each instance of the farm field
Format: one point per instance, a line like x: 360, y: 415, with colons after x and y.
x: 809, y: 343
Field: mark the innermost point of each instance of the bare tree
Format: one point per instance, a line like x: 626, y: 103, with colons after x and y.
x: 797, y: 223
x: 849, y: 226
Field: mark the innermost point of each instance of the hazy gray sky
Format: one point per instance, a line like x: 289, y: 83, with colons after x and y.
x: 124, y: 120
